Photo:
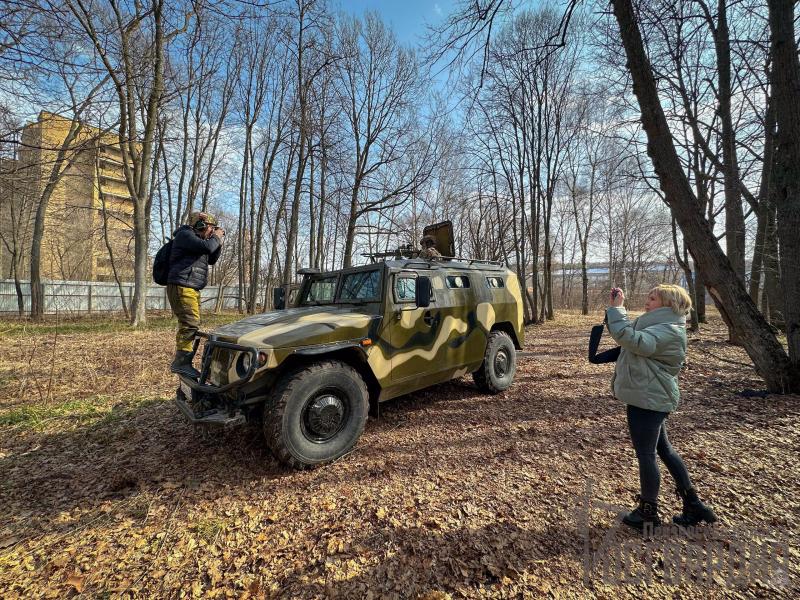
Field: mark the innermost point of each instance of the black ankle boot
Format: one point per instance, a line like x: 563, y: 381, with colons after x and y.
x: 644, y: 514
x: 694, y: 511
x: 182, y: 364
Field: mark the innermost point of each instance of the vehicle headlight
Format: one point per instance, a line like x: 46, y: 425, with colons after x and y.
x: 243, y: 364
x: 246, y: 358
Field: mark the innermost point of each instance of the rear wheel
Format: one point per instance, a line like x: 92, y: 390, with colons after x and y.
x: 499, y: 364
x: 317, y: 414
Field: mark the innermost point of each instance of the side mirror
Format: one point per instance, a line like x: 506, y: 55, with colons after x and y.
x: 422, y: 293
x: 279, y: 298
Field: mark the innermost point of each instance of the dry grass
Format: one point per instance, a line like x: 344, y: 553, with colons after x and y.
x: 105, y: 489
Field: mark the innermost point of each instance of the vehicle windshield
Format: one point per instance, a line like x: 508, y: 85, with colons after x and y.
x: 361, y: 287
x: 356, y: 288
x: 320, y: 291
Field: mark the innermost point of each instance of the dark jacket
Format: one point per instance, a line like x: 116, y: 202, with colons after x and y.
x: 191, y: 255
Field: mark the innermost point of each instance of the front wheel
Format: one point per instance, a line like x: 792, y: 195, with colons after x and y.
x: 496, y: 373
x: 316, y: 415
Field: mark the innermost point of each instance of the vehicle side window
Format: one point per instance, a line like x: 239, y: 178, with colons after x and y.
x: 361, y: 286
x: 457, y: 282
x: 495, y: 282
x: 405, y: 286
x: 321, y: 290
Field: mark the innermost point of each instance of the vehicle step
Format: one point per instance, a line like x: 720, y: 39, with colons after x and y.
x: 217, y: 418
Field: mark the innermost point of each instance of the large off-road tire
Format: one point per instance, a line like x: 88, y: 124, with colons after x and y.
x: 499, y: 364
x: 316, y: 414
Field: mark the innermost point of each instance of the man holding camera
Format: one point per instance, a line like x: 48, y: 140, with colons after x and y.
x: 194, y: 247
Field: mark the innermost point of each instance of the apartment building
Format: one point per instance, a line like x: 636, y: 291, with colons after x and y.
x: 89, y: 217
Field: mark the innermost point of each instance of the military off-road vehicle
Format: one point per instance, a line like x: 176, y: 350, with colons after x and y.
x: 353, y: 338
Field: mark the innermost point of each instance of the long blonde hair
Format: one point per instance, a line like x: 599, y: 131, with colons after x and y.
x: 675, y: 297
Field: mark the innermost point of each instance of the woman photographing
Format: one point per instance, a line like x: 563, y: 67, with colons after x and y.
x: 646, y: 380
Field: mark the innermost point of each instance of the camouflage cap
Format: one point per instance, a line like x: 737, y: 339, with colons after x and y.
x: 427, y: 239
x: 197, y: 216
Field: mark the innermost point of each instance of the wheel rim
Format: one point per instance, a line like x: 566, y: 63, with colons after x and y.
x: 324, y: 416
x: 501, y: 363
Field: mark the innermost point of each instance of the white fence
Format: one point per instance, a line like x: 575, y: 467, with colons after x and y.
x: 86, y: 297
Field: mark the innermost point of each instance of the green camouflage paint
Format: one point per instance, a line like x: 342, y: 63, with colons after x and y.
x: 411, y: 348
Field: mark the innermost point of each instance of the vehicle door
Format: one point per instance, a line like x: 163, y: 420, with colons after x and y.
x: 417, y: 336
x: 465, y: 339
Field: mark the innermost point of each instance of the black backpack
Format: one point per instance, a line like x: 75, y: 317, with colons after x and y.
x: 161, y: 263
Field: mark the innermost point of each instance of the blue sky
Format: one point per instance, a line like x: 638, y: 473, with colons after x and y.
x: 407, y: 17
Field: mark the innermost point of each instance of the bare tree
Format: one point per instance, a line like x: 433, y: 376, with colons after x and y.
x: 15, y: 209
x: 78, y: 139
x: 785, y: 79
x: 739, y: 310
x: 306, y: 45
x: 591, y: 166
x: 129, y: 42
x: 378, y: 82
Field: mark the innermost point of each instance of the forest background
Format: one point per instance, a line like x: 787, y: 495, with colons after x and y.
x: 656, y: 138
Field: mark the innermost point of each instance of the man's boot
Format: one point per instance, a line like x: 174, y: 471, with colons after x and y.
x: 182, y: 364
x: 694, y: 511
x: 644, y: 514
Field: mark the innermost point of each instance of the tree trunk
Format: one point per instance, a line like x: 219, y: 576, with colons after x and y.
x: 143, y: 199
x: 351, y: 226
x: 18, y: 285
x: 291, y: 240
x: 769, y: 357
x: 700, y: 291
x: 320, y: 256
x: 757, y: 267
x: 60, y: 165
x: 266, y: 174
x: 734, y: 217
x: 762, y: 210
x: 694, y: 323
x: 584, y: 284
x: 785, y: 79
x: 241, y: 229
x: 107, y: 242
x: 683, y: 262
x: 772, y: 285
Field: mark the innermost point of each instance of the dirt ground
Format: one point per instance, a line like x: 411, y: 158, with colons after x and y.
x: 106, y: 491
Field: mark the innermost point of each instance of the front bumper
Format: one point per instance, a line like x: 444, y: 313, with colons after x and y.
x: 226, y: 408
x: 205, y: 367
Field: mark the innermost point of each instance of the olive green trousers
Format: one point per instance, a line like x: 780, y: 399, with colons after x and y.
x: 185, y: 303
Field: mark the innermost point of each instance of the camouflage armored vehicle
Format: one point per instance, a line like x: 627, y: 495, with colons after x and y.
x: 352, y: 338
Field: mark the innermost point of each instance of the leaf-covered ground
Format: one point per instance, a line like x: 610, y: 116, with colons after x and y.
x: 106, y: 491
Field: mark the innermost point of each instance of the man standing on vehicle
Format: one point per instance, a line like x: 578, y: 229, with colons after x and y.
x: 194, y: 247
x: 429, y: 250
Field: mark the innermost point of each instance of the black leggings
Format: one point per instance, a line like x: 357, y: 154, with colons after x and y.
x: 648, y: 430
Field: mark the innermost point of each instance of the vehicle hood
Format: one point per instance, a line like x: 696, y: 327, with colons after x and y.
x: 300, y: 326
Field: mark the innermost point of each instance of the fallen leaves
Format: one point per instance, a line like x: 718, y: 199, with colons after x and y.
x: 76, y: 580
x: 450, y: 494
x: 8, y: 541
